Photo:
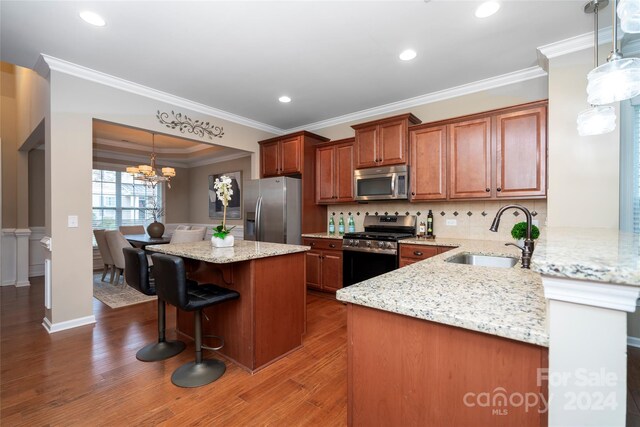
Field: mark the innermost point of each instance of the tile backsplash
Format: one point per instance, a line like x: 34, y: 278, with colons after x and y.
x: 473, y: 218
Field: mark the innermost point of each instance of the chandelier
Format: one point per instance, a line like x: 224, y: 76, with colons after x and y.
x: 148, y: 174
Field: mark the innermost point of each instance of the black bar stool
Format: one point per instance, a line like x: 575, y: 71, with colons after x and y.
x: 173, y: 286
x: 136, y: 271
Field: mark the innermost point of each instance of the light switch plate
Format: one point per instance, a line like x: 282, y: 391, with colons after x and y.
x: 72, y: 221
x: 452, y: 222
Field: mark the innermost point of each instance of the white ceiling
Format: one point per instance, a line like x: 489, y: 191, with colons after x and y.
x: 332, y: 58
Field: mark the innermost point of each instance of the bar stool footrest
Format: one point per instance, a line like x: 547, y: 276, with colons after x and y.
x: 213, y: 348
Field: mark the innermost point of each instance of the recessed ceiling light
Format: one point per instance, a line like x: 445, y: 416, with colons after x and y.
x: 284, y: 99
x: 408, y: 55
x: 92, y: 18
x: 487, y: 8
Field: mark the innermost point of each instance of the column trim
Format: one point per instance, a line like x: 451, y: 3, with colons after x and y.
x: 597, y: 294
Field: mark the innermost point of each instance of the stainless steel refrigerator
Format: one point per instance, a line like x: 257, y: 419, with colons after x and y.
x: 273, y: 210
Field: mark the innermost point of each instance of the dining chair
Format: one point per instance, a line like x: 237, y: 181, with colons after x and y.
x: 132, y: 229
x: 117, y: 242
x: 105, y: 253
x: 188, y: 236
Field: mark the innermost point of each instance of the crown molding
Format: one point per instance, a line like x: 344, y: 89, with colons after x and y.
x: 465, y: 89
x: 138, y: 147
x: 132, y: 159
x: 573, y: 44
x: 85, y: 73
x: 219, y: 159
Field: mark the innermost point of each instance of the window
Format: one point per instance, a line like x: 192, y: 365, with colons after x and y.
x: 119, y: 200
x: 630, y: 167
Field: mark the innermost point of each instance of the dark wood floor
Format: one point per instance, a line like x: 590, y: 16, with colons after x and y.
x: 90, y: 376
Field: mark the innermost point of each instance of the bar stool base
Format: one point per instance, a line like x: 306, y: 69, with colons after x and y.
x: 198, y: 374
x: 160, y: 351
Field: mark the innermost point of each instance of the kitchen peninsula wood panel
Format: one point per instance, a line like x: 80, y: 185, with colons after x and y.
x: 424, y: 372
x: 267, y: 321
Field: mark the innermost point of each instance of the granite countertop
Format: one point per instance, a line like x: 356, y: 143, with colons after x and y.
x: 507, y: 302
x: 325, y: 235
x: 599, y: 255
x: 242, y: 250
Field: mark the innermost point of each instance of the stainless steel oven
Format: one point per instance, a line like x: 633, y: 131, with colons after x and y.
x: 387, y: 183
x: 374, y: 251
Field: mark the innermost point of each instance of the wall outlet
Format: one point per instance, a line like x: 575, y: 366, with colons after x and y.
x: 72, y: 221
x: 452, y: 222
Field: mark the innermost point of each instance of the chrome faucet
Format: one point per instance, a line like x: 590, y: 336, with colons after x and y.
x: 527, y: 249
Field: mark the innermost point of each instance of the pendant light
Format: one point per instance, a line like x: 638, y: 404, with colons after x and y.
x: 597, y: 119
x: 618, y: 79
x: 629, y: 14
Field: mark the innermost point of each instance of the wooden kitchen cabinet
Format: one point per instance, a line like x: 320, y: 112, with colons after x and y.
x: 334, y: 172
x: 470, y: 159
x: 428, y: 166
x: 521, y: 153
x: 383, y: 142
x: 410, y: 254
x: 324, y: 264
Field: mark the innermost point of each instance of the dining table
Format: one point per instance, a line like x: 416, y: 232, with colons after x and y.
x: 142, y: 240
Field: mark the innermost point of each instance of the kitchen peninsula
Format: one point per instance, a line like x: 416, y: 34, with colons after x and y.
x: 268, y: 320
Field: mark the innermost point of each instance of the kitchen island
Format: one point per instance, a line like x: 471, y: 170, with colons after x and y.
x: 436, y: 343
x: 269, y: 319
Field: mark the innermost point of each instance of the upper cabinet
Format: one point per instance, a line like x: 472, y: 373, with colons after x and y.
x: 383, y: 142
x: 334, y: 172
x: 499, y: 154
x: 285, y: 155
x: 428, y: 167
x: 521, y: 153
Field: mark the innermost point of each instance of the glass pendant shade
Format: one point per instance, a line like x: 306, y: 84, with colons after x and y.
x: 597, y: 120
x: 614, y: 81
x: 629, y: 14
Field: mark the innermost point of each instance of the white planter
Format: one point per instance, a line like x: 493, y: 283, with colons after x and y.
x: 227, y: 242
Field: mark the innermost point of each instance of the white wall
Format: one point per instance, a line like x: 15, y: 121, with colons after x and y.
x: 583, y: 171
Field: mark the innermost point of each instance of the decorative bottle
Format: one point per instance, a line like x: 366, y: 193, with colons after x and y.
x: 341, y: 225
x: 332, y: 225
x: 430, y: 224
x: 422, y: 229
x: 352, y: 224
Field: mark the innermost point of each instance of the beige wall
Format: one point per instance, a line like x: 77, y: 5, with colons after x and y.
x: 36, y: 188
x: 518, y: 93
x: 9, y: 136
x: 583, y: 171
x: 177, y: 197
x: 199, y: 188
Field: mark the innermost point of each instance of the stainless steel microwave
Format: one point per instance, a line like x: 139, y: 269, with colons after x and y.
x: 386, y: 183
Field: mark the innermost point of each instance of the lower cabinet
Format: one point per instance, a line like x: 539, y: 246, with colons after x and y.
x: 410, y: 254
x: 324, y: 264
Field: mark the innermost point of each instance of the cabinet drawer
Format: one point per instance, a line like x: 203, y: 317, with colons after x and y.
x: 418, y: 252
x: 323, y: 244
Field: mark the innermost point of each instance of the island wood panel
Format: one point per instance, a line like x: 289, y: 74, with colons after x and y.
x: 404, y: 371
x: 428, y: 171
x: 267, y: 321
x: 470, y: 159
x: 521, y: 153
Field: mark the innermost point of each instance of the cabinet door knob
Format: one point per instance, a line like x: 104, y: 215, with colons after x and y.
x: 413, y: 193
x: 332, y: 245
x: 417, y: 253
x: 498, y: 189
x: 487, y: 190
x: 313, y: 243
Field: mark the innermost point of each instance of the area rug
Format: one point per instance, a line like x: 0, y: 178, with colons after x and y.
x: 117, y: 295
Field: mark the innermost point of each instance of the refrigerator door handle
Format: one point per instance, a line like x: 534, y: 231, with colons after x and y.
x: 258, y: 218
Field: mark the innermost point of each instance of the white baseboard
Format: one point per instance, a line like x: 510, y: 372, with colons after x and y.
x: 633, y: 342
x: 69, y: 324
x: 36, y: 270
x: 23, y: 284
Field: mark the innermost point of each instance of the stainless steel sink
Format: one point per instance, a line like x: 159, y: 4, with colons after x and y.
x: 483, y: 260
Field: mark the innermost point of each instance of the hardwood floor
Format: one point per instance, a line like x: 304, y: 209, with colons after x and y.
x: 90, y: 376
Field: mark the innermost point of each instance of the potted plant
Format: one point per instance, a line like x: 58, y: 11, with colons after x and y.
x: 221, y: 234
x: 156, y: 228
x: 519, y: 232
